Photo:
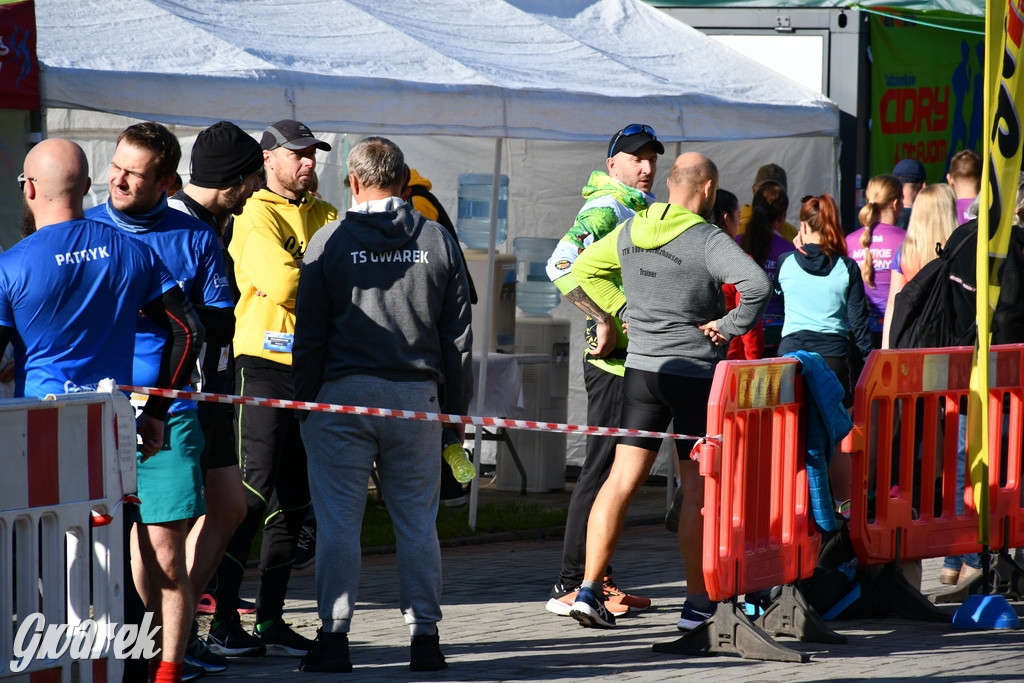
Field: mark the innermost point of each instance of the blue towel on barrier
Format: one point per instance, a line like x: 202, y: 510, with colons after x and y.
x: 828, y: 422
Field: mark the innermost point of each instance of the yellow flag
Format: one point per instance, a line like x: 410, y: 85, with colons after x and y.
x: 1004, y: 94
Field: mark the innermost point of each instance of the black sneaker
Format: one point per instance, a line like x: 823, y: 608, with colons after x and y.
x: 329, y: 654
x: 229, y: 639
x: 281, y: 640
x: 426, y: 654
x: 305, y: 547
x: 191, y: 671
x: 198, y: 653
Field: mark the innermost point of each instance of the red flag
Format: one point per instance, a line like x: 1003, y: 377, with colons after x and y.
x: 19, y: 68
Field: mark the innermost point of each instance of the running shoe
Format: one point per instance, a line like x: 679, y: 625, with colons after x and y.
x: 590, y: 611
x: 229, y: 639
x: 208, y: 605
x: 198, y: 653
x: 281, y: 640
x: 329, y: 654
x: 612, y: 594
x: 691, y: 617
x: 561, y: 600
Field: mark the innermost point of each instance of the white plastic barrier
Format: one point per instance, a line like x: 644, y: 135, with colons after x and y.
x: 65, y: 465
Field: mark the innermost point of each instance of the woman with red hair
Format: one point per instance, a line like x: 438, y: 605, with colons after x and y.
x: 823, y: 293
x: 825, y: 308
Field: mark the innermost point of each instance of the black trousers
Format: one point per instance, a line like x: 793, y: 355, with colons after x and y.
x: 273, y: 463
x: 604, y: 405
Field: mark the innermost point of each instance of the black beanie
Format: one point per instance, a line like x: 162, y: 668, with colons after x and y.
x: 223, y: 156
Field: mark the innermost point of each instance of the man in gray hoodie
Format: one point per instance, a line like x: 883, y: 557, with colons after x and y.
x: 382, y: 320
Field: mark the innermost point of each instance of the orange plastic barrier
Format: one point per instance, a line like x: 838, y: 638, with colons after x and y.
x: 757, y: 521
x: 907, y: 415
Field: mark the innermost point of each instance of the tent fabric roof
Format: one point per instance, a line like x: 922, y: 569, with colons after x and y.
x: 974, y: 8
x: 570, y: 70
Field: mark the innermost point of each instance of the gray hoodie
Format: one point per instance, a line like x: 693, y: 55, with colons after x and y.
x: 383, y: 294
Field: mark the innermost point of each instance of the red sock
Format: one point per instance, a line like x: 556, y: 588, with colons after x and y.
x: 168, y: 672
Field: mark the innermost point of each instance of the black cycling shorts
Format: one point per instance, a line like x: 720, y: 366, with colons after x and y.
x: 653, y: 401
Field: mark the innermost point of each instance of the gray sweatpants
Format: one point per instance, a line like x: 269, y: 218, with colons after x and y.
x: 342, y: 450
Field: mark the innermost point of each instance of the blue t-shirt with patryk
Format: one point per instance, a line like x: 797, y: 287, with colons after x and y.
x: 72, y: 292
x: 190, y: 251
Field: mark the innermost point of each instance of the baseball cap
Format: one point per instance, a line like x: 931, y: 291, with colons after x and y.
x: 909, y: 171
x: 290, y: 134
x: 224, y: 155
x: 633, y: 137
x: 772, y: 172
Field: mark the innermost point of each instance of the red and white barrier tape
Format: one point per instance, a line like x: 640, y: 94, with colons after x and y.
x: 528, y: 425
x: 104, y: 518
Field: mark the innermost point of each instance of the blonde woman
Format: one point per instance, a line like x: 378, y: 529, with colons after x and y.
x: 932, y: 221
x: 874, y: 246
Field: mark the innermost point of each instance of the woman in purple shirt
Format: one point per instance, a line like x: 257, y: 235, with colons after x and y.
x: 881, y: 238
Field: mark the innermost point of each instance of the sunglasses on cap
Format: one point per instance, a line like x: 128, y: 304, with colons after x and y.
x: 631, y: 129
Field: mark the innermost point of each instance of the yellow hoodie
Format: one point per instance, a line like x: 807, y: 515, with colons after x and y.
x: 422, y: 204
x: 267, y: 245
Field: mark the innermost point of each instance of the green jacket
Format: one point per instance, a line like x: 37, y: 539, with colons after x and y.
x: 608, y: 203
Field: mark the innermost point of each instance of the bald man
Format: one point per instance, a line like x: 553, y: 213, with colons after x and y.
x: 672, y: 264
x: 72, y: 289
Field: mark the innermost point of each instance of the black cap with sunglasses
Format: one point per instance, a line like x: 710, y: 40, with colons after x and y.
x: 633, y: 137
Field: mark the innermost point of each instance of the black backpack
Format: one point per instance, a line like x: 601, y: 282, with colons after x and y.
x: 923, y: 314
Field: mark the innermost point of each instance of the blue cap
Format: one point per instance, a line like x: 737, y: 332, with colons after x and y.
x: 909, y: 171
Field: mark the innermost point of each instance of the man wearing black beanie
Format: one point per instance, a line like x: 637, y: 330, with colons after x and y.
x: 225, y: 171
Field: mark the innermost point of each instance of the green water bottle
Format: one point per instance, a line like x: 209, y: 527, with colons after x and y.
x: 455, y: 455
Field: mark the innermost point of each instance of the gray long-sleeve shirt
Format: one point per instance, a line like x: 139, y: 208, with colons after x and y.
x: 673, y: 266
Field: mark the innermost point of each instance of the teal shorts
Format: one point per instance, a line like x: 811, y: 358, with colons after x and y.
x: 171, y: 482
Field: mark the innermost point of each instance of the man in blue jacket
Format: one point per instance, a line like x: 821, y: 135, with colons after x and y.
x: 170, y: 486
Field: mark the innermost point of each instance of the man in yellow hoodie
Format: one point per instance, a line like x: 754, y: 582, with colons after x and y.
x: 267, y: 246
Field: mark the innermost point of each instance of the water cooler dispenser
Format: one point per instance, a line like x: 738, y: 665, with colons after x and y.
x: 503, y: 299
x: 473, y: 225
x: 543, y: 344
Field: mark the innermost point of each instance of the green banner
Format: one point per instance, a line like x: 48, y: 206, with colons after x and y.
x: 927, y: 90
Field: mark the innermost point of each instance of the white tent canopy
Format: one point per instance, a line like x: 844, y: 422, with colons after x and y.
x: 555, y: 78
x: 534, y: 69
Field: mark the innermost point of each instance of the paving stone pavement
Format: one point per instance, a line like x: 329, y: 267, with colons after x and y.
x: 496, y: 629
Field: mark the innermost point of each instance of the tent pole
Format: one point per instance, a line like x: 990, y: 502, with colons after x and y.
x: 474, y: 491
